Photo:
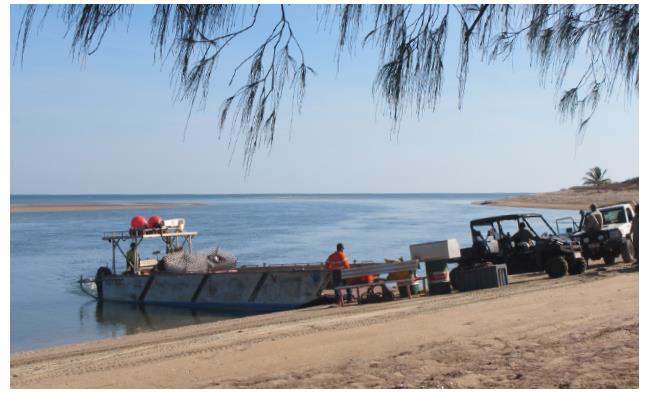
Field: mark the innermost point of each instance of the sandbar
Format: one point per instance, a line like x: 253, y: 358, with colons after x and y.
x: 74, y: 207
x: 569, y: 199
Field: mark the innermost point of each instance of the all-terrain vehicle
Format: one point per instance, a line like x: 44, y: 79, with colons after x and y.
x: 493, y: 242
x: 612, y: 240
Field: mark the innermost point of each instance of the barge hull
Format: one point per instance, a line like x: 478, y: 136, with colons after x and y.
x: 249, y: 291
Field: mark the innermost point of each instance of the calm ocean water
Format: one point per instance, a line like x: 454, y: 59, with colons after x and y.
x: 49, y: 251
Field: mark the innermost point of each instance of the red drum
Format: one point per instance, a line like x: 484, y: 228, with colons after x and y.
x: 155, y: 221
x: 138, y: 222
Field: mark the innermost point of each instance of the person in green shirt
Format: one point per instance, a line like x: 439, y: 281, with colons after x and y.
x: 132, y: 257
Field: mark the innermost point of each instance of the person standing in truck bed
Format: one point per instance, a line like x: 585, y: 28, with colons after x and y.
x: 593, y: 221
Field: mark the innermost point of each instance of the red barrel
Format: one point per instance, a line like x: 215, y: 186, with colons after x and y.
x: 138, y: 222
x: 155, y: 221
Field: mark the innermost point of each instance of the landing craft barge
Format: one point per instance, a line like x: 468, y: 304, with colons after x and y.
x: 203, y: 281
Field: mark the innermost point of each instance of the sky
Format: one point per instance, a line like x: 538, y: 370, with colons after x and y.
x: 110, y: 125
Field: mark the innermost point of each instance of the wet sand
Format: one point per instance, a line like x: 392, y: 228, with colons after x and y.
x: 73, y: 207
x: 570, y: 199
x: 578, y: 332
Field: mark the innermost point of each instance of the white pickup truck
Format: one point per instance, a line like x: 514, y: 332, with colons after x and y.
x: 612, y: 240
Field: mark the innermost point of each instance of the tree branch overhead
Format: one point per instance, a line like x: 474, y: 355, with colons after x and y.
x: 411, y: 42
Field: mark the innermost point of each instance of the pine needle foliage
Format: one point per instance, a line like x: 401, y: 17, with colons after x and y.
x: 411, y: 42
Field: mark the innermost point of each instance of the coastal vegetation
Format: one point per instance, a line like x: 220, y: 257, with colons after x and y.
x: 596, y: 177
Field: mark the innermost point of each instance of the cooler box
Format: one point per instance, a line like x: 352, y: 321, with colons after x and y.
x: 435, y: 251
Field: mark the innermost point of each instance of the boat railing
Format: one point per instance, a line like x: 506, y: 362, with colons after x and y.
x: 147, y: 233
x: 282, y: 267
x: 298, y: 266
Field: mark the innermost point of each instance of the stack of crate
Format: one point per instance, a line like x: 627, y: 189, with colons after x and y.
x: 437, y: 255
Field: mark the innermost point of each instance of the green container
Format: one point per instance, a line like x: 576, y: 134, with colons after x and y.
x: 403, y: 291
x: 415, y: 288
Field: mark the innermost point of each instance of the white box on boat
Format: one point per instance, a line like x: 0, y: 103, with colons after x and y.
x: 435, y: 251
x: 178, y: 223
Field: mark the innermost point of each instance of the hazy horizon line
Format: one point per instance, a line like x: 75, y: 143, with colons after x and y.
x: 279, y: 193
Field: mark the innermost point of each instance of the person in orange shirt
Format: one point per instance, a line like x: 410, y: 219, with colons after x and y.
x: 338, y: 261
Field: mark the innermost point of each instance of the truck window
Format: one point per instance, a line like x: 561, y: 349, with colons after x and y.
x: 630, y: 215
x: 615, y: 215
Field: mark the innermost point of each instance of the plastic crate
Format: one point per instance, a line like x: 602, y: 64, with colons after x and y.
x: 481, y: 278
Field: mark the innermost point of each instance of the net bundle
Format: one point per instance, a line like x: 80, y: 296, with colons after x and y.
x: 200, y: 262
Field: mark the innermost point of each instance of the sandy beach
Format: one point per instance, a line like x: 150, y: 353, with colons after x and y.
x: 577, y: 332
x: 572, y: 199
x: 72, y: 207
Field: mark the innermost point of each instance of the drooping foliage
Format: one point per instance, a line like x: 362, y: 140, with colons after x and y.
x: 411, y: 40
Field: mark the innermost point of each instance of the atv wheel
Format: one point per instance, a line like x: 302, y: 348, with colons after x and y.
x: 609, y: 259
x: 556, y: 267
x: 627, y: 251
x: 578, y: 266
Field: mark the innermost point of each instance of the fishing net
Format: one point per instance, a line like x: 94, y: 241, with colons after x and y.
x: 200, y: 262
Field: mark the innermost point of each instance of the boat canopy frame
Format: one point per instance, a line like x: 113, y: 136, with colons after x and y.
x: 171, y: 240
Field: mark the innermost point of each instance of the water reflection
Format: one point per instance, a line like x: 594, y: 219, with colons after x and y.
x: 132, y: 318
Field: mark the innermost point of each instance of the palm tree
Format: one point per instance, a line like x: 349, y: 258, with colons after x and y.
x: 596, y: 177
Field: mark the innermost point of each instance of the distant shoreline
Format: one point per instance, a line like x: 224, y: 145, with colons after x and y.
x: 75, y: 207
x: 574, y: 198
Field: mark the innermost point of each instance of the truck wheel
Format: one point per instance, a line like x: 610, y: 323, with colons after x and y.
x: 609, y: 259
x: 578, y: 266
x: 556, y: 267
x: 627, y: 251
x: 453, y: 277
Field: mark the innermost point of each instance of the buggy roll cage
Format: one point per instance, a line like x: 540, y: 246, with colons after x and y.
x: 518, y: 217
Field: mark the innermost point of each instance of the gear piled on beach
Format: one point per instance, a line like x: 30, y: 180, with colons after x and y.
x: 201, y: 262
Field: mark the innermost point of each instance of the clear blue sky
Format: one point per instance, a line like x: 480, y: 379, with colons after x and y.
x: 102, y: 127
